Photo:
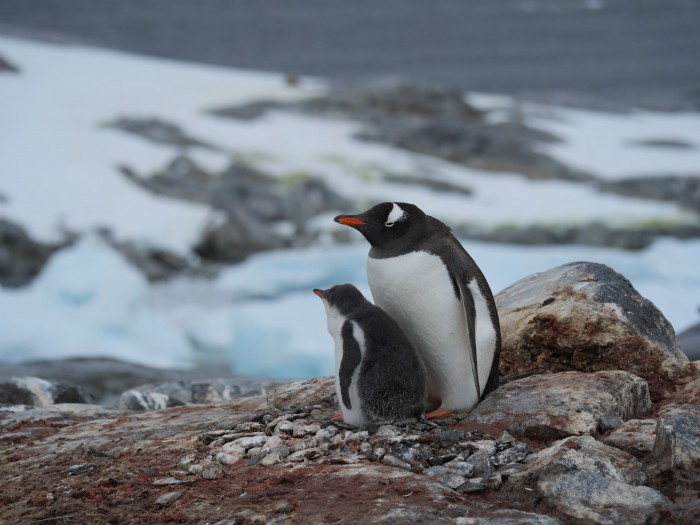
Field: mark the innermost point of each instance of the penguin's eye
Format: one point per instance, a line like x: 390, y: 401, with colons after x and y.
x: 388, y: 224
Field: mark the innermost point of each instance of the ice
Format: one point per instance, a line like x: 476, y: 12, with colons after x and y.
x: 88, y: 302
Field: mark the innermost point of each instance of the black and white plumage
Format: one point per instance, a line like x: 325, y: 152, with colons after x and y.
x: 379, y: 374
x: 421, y: 275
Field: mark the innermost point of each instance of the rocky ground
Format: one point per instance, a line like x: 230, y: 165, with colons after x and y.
x: 605, y: 429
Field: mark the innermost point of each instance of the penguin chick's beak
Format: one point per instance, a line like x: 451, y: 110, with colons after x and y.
x: 320, y: 293
x: 349, y: 220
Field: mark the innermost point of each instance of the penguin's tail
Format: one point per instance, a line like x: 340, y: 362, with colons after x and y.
x: 520, y: 375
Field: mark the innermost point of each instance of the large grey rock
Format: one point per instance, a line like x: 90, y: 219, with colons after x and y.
x: 166, y: 395
x: 551, y: 406
x: 589, y: 481
x: 585, y: 316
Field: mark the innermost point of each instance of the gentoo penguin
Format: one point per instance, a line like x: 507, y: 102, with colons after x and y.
x: 421, y: 275
x: 378, y: 373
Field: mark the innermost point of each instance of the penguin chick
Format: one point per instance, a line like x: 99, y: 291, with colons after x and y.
x: 421, y: 275
x: 378, y: 373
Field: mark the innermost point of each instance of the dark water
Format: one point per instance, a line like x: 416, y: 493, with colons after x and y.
x: 624, y: 50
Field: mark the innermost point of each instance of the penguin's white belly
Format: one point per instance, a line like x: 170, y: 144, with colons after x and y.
x: 416, y: 290
x: 353, y: 415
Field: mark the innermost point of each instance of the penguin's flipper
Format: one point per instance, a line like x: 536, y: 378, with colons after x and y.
x: 470, y: 315
x: 352, y: 356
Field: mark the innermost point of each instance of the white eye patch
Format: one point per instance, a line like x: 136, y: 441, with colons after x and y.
x: 397, y: 214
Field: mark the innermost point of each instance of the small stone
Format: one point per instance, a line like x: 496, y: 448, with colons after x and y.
x: 74, y: 470
x: 482, y: 461
x: 337, y: 442
x: 186, y: 461
x: 168, y: 498
x: 461, y: 468
x: 319, y: 414
x: 284, y: 427
x: 504, y: 441
x: 515, y: 454
x: 250, y: 426
x: 249, y: 442
x: 325, y: 435
x: 297, y: 457
x: 448, y: 457
x: 344, y: 459
x: 435, y: 460
x: 307, y: 443
x: 607, y: 423
x: 273, y: 442
x: 473, y: 485
x: 211, y: 469
x: 449, y: 438
x: 445, y: 476
x: 162, y: 482
x: 254, y: 451
x: 228, y: 459
x: 486, y: 445
x: 257, y: 457
x: 276, y: 455
x: 300, y: 430
x: 395, y: 462
x: 385, y: 432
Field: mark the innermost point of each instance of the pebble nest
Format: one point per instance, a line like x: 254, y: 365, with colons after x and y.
x: 465, y: 461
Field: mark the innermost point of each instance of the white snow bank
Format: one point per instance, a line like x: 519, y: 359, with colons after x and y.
x: 58, y: 162
x: 612, y: 146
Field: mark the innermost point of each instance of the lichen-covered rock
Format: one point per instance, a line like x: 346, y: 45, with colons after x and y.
x: 635, y: 437
x: 689, y: 394
x: 589, y: 481
x: 599, y: 499
x: 675, y: 462
x: 584, y: 316
x: 551, y: 406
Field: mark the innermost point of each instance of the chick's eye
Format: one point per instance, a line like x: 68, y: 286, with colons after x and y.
x: 388, y: 224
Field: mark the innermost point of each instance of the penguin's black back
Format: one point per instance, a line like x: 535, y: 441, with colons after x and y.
x: 392, y: 380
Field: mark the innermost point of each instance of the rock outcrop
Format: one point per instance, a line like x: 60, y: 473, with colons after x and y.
x: 584, y: 446
x: 586, y: 317
x: 553, y: 406
x: 281, y: 457
x: 259, y: 212
x: 21, y: 257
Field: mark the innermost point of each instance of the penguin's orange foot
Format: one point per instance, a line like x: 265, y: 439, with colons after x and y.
x: 439, y: 413
x: 338, y: 416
